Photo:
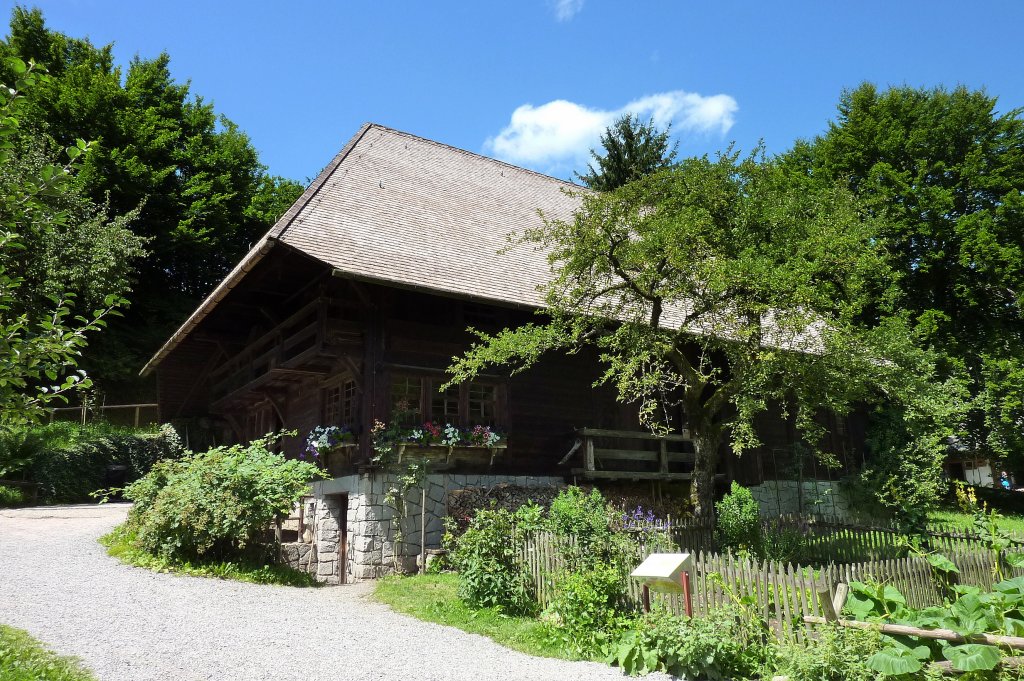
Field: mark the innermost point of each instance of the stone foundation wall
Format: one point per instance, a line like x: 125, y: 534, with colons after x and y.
x: 820, y: 497
x: 372, y: 550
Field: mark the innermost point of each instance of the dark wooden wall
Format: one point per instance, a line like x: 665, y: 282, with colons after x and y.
x: 417, y: 333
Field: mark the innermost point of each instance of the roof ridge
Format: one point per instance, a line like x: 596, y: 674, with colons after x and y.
x: 474, y: 154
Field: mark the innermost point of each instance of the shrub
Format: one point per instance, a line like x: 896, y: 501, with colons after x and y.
x: 739, y: 520
x: 11, y: 496
x: 486, y: 556
x: 726, y: 644
x: 585, y: 609
x: 70, y: 461
x: 837, y: 654
x: 216, y: 504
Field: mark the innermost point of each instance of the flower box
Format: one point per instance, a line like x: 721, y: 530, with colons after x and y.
x: 448, y: 452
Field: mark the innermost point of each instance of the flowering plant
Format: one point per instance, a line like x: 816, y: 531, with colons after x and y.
x: 434, y: 433
x: 483, y: 436
x: 324, y: 438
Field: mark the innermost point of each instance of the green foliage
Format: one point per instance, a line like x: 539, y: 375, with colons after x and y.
x: 217, y: 504
x: 40, y: 342
x: 122, y: 543
x: 837, y: 654
x: 972, y: 612
x: 11, y: 496
x: 201, y: 195
x: 722, y: 287
x: 586, y: 607
x: 583, y: 516
x: 945, y: 170
x: 491, y: 574
x: 69, y: 461
x: 631, y: 150
x: 726, y: 644
x: 739, y: 520
x: 23, y: 658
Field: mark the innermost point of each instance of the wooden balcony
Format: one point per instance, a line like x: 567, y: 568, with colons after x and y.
x: 300, y: 346
x: 632, y: 455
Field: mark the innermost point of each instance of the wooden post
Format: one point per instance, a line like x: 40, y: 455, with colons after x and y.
x: 83, y: 413
x: 663, y: 456
x: 589, y: 465
x: 842, y: 591
x: 687, y: 595
x: 827, y: 607
x: 647, y: 598
x: 137, y: 415
x: 423, y: 528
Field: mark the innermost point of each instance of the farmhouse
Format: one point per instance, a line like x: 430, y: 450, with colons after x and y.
x: 347, y: 313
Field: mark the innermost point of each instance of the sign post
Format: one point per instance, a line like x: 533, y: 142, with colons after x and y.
x: 667, y: 573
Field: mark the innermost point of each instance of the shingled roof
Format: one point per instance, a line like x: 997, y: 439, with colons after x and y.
x: 396, y: 208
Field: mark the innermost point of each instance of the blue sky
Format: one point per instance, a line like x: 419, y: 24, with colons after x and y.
x: 535, y: 81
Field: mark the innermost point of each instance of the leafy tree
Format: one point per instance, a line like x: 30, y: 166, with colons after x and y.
x: 631, y: 150
x: 721, y: 287
x: 195, y: 179
x: 945, y: 172
x: 39, y: 351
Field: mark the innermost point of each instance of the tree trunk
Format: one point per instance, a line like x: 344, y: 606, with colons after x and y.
x: 706, y: 445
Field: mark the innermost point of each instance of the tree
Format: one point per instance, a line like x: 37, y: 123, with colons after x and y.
x: 945, y: 173
x: 719, y: 286
x: 39, y: 351
x: 631, y: 150
x: 195, y: 179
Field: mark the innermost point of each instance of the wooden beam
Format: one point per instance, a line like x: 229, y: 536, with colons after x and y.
x: 633, y: 434
x: 632, y: 475
x: 642, y: 455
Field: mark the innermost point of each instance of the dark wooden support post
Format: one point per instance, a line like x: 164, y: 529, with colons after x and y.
x: 589, y: 465
x: 663, y: 456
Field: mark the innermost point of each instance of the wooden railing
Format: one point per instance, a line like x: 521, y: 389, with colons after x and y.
x: 307, y: 334
x: 620, y: 462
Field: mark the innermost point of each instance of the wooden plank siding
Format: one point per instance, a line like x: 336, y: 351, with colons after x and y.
x: 388, y: 332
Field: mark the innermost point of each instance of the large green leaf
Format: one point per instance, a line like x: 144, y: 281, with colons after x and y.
x: 972, y: 657
x: 896, y: 661
x: 942, y: 564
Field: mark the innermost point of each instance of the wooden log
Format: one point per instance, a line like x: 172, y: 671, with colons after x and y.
x: 1013, y: 642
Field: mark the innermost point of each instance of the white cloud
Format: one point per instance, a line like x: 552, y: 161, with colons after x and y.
x: 561, y: 133
x: 566, y: 9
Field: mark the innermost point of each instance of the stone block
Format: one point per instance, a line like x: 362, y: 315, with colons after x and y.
x: 328, y: 548
x: 325, y: 568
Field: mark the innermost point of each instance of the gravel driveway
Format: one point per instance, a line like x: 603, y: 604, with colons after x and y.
x: 130, y: 624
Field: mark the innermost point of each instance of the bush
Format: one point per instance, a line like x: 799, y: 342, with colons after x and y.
x: 739, y: 520
x: 727, y: 644
x: 487, y: 559
x: 837, y: 654
x: 11, y: 496
x: 585, y: 609
x: 217, y: 504
x: 70, y: 461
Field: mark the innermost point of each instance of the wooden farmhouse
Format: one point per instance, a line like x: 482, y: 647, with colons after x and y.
x: 350, y: 308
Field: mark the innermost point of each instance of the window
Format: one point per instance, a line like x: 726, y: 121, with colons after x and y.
x: 445, y: 406
x: 417, y: 399
x: 482, y: 400
x: 341, y: 404
x: 407, y: 399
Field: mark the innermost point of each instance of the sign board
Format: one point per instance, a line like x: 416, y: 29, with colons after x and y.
x: 663, y: 571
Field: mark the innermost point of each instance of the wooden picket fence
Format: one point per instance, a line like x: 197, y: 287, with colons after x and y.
x: 832, y: 540
x: 782, y: 593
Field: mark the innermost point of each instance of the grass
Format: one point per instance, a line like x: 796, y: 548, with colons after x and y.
x: 1012, y: 523
x: 23, y: 658
x: 433, y: 598
x: 120, y: 544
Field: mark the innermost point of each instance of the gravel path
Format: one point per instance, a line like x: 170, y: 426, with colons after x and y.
x: 130, y: 624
